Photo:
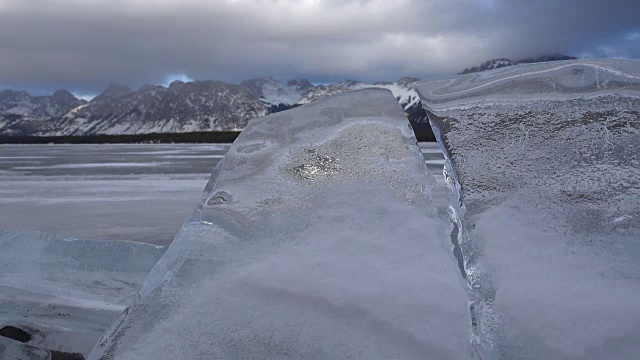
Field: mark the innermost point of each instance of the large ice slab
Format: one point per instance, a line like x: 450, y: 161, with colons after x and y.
x: 66, y: 292
x: 316, y: 239
x: 544, y: 164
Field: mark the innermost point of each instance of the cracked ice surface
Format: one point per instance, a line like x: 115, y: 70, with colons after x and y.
x: 315, y: 238
x: 544, y: 163
x: 66, y: 292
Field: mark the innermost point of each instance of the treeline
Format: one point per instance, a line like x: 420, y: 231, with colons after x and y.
x: 155, y: 138
x: 423, y: 133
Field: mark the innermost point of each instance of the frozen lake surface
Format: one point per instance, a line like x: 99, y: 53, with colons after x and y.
x: 136, y: 192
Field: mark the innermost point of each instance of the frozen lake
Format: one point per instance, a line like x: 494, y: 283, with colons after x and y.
x: 136, y: 192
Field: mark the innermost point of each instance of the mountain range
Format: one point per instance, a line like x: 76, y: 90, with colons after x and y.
x: 180, y: 107
x: 190, y: 106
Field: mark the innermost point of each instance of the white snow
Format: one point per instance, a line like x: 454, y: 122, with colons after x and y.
x: 275, y: 92
x: 407, y: 96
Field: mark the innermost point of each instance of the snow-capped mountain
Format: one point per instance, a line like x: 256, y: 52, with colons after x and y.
x: 21, y: 113
x: 37, y: 107
x: 274, y: 92
x: 502, y: 62
x: 181, y: 107
x: 401, y: 89
x: 193, y: 106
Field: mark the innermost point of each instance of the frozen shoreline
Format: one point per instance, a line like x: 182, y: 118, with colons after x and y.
x: 61, y: 195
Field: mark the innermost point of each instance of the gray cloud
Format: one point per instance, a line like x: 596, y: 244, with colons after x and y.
x: 84, y: 44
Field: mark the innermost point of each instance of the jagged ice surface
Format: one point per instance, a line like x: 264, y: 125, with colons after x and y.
x: 66, y: 292
x: 316, y: 238
x: 544, y: 164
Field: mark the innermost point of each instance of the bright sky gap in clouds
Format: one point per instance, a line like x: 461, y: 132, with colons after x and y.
x: 84, y: 45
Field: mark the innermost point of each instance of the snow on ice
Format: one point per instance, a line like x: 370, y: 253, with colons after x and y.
x: 544, y: 163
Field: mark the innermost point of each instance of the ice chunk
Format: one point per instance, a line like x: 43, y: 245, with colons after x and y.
x: 66, y: 292
x: 316, y: 238
x: 544, y: 164
x: 15, y: 350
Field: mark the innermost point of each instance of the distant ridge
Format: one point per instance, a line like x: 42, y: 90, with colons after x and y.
x: 182, y: 107
x: 503, y: 62
x: 193, y: 107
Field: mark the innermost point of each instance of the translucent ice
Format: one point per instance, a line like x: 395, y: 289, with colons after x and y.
x: 15, y: 350
x: 544, y: 164
x: 66, y: 292
x: 316, y: 238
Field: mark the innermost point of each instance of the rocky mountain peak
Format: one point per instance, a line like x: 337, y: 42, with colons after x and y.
x: 13, y: 95
x: 274, y: 92
x: 176, y: 85
x: 302, y: 84
x: 114, y: 90
x: 148, y: 87
x: 63, y: 95
x: 407, y: 81
x: 254, y: 86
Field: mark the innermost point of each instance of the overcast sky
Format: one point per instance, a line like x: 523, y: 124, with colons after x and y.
x: 84, y: 45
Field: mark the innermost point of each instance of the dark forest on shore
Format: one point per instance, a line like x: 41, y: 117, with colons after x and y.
x: 422, y: 130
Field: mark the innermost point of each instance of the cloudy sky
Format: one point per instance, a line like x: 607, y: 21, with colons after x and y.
x: 84, y: 45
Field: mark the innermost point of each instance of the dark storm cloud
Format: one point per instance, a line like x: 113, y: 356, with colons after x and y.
x: 84, y: 44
